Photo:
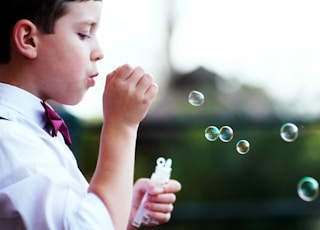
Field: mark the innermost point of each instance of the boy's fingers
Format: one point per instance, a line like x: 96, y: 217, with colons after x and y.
x: 166, y: 198
x: 172, y: 187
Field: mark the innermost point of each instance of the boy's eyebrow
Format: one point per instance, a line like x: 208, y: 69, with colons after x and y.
x: 93, y: 25
x: 89, y: 22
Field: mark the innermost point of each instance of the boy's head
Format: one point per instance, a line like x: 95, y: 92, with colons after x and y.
x: 50, y: 48
x: 43, y: 13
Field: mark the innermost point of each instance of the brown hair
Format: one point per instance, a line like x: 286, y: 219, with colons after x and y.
x: 43, y: 13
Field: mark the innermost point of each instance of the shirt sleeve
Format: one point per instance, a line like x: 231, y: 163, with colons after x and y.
x: 43, y: 204
x: 85, y: 215
x: 38, y: 192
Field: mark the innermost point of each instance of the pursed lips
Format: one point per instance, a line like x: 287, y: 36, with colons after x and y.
x: 91, y: 79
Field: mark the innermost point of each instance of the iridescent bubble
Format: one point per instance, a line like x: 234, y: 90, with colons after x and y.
x: 212, y: 133
x: 289, y: 132
x: 196, y: 98
x: 226, y: 133
x: 308, y: 189
x: 243, y: 146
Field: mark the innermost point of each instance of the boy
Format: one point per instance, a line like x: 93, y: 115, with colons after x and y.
x: 48, y: 50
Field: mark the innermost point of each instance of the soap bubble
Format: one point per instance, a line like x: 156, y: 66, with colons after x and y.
x: 212, y: 133
x: 308, y: 189
x: 243, y: 146
x: 226, y: 133
x: 196, y: 98
x: 289, y: 132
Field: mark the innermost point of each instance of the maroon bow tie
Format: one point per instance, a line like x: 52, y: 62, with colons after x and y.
x: 57, y: 124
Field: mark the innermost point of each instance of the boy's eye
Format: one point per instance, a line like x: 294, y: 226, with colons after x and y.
x: 84, y: 36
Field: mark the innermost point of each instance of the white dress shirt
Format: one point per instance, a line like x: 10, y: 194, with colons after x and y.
x: 41, y: 186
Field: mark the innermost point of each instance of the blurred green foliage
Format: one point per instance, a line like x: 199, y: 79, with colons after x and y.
x: 223, y: 189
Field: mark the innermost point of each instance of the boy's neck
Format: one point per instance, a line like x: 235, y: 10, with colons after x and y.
x: 17, y: 75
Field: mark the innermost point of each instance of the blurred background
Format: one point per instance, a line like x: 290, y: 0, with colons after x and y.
x: 257, y: 64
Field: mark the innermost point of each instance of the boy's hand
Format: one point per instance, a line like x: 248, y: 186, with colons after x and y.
x: 128, y: 95
x: 159, y: 203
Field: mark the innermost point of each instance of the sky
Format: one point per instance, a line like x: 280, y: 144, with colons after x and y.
x: 273, y: 44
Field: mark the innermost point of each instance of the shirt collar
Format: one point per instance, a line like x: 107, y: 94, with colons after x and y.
x: 20, y: 102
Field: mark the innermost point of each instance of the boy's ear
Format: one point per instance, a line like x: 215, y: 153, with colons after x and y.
x: 24, y: 36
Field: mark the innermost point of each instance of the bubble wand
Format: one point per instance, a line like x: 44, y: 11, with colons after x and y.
x: 160, y: 176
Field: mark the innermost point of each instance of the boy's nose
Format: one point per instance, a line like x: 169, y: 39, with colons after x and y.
x: 97, y: 53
